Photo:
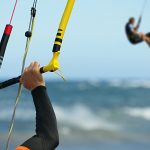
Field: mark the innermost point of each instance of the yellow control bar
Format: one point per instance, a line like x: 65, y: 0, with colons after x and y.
x: 54, y: 63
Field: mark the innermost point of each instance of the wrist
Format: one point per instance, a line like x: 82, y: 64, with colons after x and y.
x: 37, y: 85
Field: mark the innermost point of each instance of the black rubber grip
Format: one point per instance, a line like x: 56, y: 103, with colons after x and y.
x: 9, y: 82
x: 3, y: 46
x: 14, y: 80
x: 4, y: 41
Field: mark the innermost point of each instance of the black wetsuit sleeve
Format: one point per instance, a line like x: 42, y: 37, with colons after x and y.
x: 46, y: 137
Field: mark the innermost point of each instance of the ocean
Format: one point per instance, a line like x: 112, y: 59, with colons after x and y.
x: 91, y: 115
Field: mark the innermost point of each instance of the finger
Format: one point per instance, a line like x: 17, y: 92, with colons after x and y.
x: 31, y: 66
x: 36, y: 66
x: 20, y: 80
x: 24, y: 72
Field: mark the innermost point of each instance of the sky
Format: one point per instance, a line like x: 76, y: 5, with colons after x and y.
x: 94, y: 47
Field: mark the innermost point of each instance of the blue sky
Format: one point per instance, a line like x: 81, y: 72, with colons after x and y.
x: 94, y: 47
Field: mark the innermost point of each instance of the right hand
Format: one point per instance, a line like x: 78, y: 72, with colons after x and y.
x: 31, y: 77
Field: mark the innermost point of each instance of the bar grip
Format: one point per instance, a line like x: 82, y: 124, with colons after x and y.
x: 4, y: 41
x: 13, y: 81
x: 9, y: 82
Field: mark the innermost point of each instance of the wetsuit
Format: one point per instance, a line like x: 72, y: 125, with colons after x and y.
x: 133, y: 38
x: 46, y: 137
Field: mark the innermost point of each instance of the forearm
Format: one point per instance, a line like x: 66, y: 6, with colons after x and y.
x: 46, y: 137
x: 46, y: 125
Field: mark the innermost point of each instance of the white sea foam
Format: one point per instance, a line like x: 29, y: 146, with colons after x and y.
x: 76, y: 116
x: 82, y: 117
x: 130, y: 83
x: 143, y: 113
x: 122, y: 83
x: 21, y: 114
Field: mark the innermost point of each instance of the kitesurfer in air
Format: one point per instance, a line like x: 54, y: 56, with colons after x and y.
x: 46, y: 137
x: 133, y: 35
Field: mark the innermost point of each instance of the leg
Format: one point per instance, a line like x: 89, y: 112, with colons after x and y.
x: 148, y: 34
x: 145, y: 38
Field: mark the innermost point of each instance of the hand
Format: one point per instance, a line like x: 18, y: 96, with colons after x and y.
x: 31, y: 77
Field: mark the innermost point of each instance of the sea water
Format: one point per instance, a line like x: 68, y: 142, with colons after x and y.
x: 91, y: 115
